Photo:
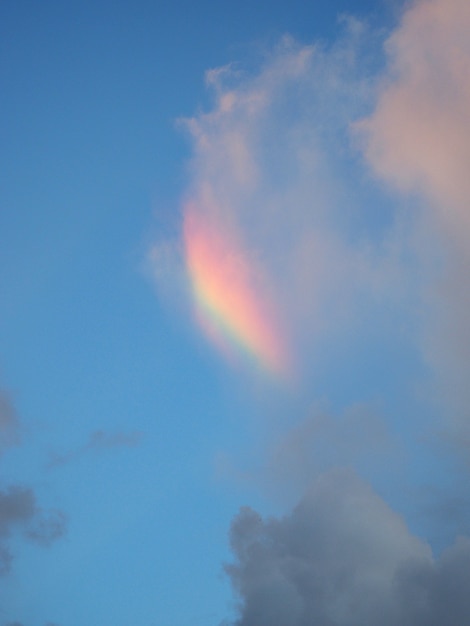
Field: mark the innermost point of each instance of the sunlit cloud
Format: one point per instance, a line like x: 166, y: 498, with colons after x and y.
x: 230, y: 294
x: 269, y: 227
x: 418, y: 137
x: 325, y: 223
x: 418, y: 140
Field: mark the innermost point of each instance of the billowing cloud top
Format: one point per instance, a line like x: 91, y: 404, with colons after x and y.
x: 342, y: 557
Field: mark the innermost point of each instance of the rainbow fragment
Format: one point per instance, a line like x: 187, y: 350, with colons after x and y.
x: 230, y: 304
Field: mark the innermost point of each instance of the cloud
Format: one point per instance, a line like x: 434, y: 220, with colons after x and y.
x: 287, y: 461
x: 98, y: 441
x: 329, y: 254
x: 350, y: 267
x: 273, y: 171
x: 20, y: 512
x: 418, y: 137
x: 47, y: 528
x: 342, y: 557
x: 418, y: 140
x: 9, y: 423
x: 359, y: 436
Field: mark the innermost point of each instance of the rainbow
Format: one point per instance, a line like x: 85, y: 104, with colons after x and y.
x: 230, y: 305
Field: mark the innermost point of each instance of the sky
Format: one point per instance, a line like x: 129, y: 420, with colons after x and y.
x: 234, y: 334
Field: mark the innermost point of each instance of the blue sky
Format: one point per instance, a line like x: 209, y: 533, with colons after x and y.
x: 329, y: 145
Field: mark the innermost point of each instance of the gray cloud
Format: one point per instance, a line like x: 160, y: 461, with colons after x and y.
x: 19, y: 512
x: 47, y: 527
x: 16, y: 505
x: 322, y: 441
x: 342, y: 557
x: 9, y: 423
x: 288, y: 460
x: 98, y: 441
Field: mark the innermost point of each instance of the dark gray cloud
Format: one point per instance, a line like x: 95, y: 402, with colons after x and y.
x: 19, y: 512
x: 16, y: 505
x: 98, y: 440
x: 343, y: 557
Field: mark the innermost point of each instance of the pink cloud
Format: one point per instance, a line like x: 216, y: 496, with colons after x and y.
x: 266, y: 169
x: 418, y: 137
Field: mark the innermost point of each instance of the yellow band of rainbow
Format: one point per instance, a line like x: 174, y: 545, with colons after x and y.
x: 228, y: 296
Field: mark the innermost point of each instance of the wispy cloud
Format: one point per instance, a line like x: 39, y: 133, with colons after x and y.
x: 267, y: 172
x: 359, y: 437
x: 299, y: 451
x: 98, y: 441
